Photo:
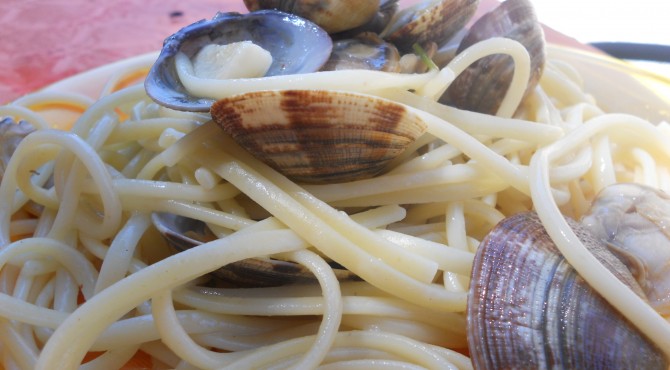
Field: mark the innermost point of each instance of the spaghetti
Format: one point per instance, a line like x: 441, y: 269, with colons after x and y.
x: 85, y: 277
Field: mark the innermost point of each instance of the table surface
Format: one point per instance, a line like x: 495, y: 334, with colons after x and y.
x: 44, y: 41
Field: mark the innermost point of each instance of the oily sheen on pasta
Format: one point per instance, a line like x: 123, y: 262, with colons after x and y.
x: 85, y: 277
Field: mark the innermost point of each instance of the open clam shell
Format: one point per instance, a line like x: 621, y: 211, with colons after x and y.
x: 295, y: 44
x: 319, y: 136
x: 182, y: 233
x: 528, y: 308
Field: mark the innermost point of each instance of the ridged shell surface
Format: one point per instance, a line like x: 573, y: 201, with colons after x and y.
x: 529, y: 309
x: 483, y: 85
x: 431, y: 21
x: 319, y: 136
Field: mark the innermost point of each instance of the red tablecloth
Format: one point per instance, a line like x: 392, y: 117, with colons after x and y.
x: 42, y: 41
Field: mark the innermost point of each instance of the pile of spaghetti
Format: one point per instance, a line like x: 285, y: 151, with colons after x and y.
x: 85, y: 276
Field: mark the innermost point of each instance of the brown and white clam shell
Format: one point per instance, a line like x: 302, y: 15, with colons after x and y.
x: 431, y: 21
x: 529, y: 309
x: 319, y: 136
x: 332, y: 15
x: 483, y: 85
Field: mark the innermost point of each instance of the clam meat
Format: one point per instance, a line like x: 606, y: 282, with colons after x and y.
x: 332, y: 15
x: 529, y: 309
x: 634, y: 221
x: 182, y: 233
x: 294, y: 45
x: 319, y: 136
x: 482, y: 86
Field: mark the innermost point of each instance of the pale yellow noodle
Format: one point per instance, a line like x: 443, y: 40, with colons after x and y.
x: 89, y: 158
x: 165, y: 190
x: 81, y: 328
x: 602, y: 170
x: 326, y: 218
x: 447, y: 257
x: 648, y: 167
x: 497, y: 45
x: 148, y: 128
x: 16, y: 344
x: 556, y: 85
x: 292, y: 212
x: 116, y: 261
x: 22, y: 113
x: 174, y: 336
x: 143, y: 328
x: 366, y: 80
x: 112, y: 359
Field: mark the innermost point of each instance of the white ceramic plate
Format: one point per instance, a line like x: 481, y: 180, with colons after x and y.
x: 617, y: 86
x: 91, y: 82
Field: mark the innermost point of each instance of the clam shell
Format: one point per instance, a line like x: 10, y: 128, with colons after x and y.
x: 528, y: 308
x: 182, y: 233
x: 387, y: 9
x: 319, y: 136
x: 430, y: 21
x: 365, y: 51
x: 296, y: 46
x: 483, y: 85
x: 332, y: 15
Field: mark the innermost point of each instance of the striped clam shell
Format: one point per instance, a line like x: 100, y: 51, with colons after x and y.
x: 319, y: 136
x: 528, y: 308
x: 429, y: 21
